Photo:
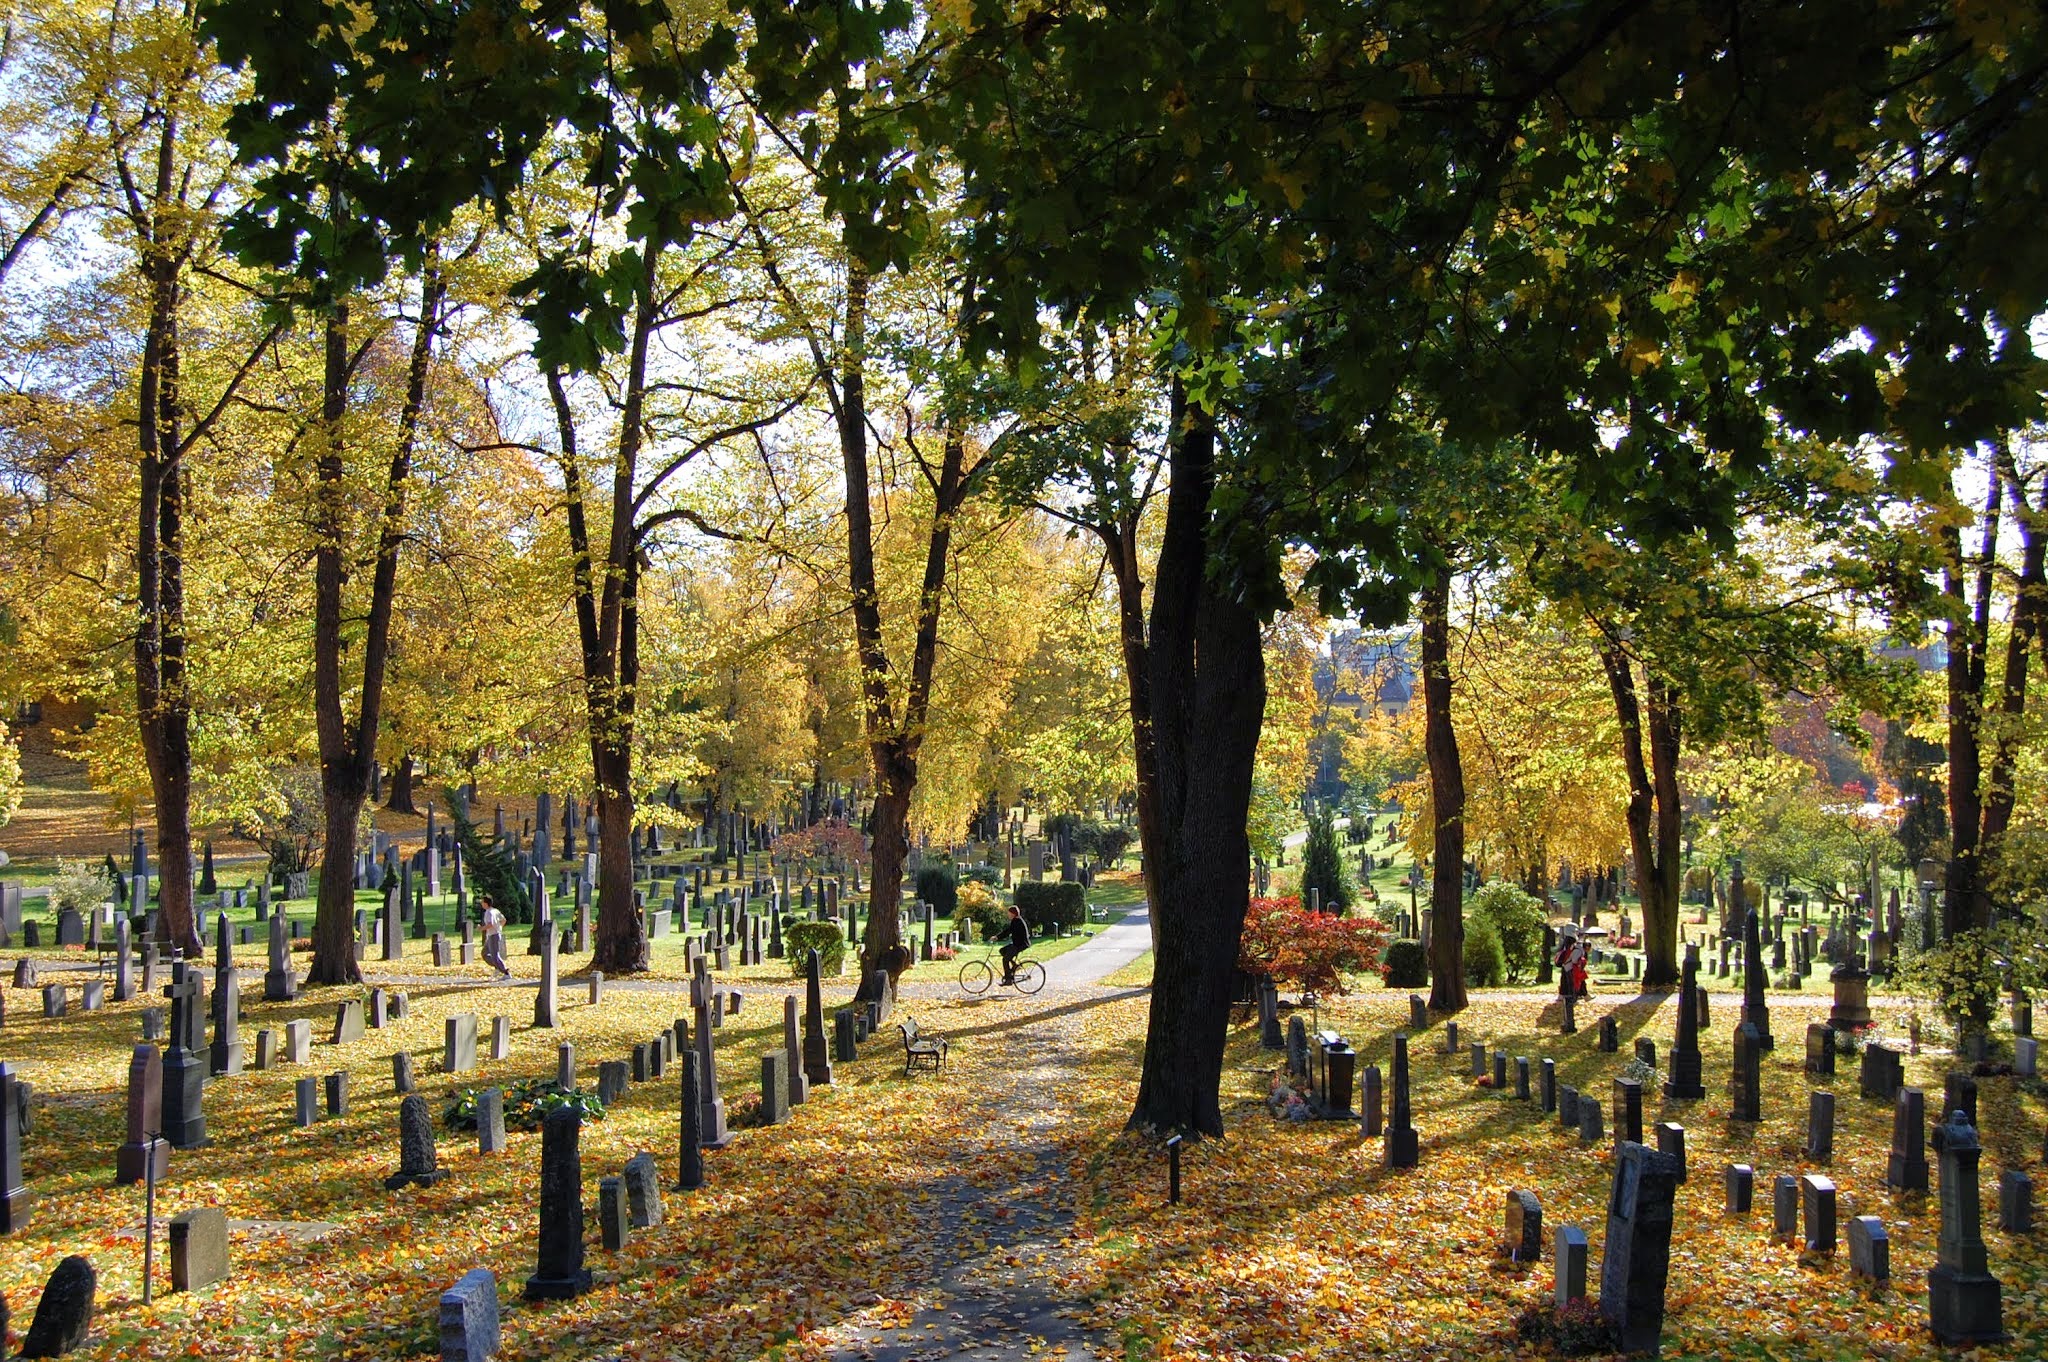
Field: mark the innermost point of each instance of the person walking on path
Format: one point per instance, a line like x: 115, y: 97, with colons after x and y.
x: 494, y: 936
x: 1571, y: 965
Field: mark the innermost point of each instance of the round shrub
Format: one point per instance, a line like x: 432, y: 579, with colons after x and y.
x: 822, y: 937
x: 1517, y: 918
x: 1486, y: 965
x: 1406, y: 965
x: 981, y: 906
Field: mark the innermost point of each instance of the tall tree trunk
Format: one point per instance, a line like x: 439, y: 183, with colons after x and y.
x: 348, y: 750
x: 1965, y: 902
x: 1446, y: 802
x: 2030, y: 598
x: 607, y: 623
x: 1207, y: 688
x: 403, y: 782
x: 1653, y: 807
x: 163, y: 702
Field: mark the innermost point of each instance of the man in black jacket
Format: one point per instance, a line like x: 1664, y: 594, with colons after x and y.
x: 1016, y: 939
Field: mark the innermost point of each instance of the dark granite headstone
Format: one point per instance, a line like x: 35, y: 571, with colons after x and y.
x: 64, y: 1314
x: 559, y: 1273
x: 1638, y: 1260
x: 416, y: 1162
x: 1964, y: 1302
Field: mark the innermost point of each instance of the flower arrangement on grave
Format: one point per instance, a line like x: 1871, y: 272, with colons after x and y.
x: 527, y: 1104
x: 1286, y: 1101
x: 1578, y: 1330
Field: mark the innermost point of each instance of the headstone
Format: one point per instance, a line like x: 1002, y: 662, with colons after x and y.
x: 401, y: 1072
x: 184, y: 1064
x: 546, y: 1003
x: 1402, y: 1147
x: 565, y: 1066
x: 690, y: 1143
x: 469, y: 1318
x: 792, y: 1045
x: 1683, y: 1082
x: 1959, y: 1093
x: 711, y: 1117
x: 1546, y: 1087
x: 458, y: 1046
x: 490, y: 1121
x: 559, y: 1273
x: 1785, y: 1208
x: 1739, y: 1184
x: 611, y: 1080
x: 298, y: 1041
x: 2015, y: 1202
x: 1817, y: 1198
x: 1371, y: 1103
x: 1882, y: 1073
x: 1638, y: 1258
x: 1820, y: 1049
x: 1671, y: 1141
x: 199, y: 1248
x: 611, y: 1213
x: 1870, y: 1249
x: 1567, y: 1107
x: 774, y: 1087
x: 1524, y: 1227
x: 817, y: 1064
x: 1963, y: 1298
x: 266, y: 1048
x: 416, y: 1161
x: 53, y: 1000
x: 1522, y: 1078
x: 145, y: 1120
x: 1590, y: 1123
x: 1754, y: 1010
x: 1906, y: 1168
x: 348, y: 1021
x: 1610, y: 1036
x: 1628, y: 1110
x: 64, y: 1314
x: 501, y: 1037
x: 1568, y: 1259
x: 643, y: 1191
x: 1745, y: 1087
x: 1820, y: 1127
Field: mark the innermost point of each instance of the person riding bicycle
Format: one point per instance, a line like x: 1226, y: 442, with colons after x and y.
x: 1016, y: 939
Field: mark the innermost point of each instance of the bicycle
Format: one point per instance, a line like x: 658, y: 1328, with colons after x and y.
x: 978, y: 976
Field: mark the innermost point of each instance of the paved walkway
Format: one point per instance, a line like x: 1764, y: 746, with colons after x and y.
x: 1001, y: 1300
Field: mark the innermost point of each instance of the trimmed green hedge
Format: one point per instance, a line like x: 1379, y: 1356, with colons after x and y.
x: 822, y: 937
x: 1046, y: 903
x: 936, y: 886
x: 1406, y: 964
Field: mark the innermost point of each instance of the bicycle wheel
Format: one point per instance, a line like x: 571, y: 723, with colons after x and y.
x: 1030, y: 977
x: 976, y: 976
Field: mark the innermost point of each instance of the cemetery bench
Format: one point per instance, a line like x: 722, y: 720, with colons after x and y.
x: 921, y: 1049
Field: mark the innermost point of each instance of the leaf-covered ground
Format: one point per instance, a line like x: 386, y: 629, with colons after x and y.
x: 894, y: 1217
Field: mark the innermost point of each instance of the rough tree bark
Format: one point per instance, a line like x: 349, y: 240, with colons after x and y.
x: 1207, y: 689
x: 1446, y: 802
x: 1654, y: 817
x: 404, y: 781
x: 162, y: 701
x: 348, y: 749
x: 1120, y: 540
x: 894, y: 738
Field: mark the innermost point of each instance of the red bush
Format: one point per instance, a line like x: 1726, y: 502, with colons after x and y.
x: 1307, y: 952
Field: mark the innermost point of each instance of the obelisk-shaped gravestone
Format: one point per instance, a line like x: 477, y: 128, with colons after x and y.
x: 1684, y: 1082
x: 394, y: 924
x: 185, y: 1063
x: 798, y: 1084
x: 1963, y: 1298
x: 1402, y: 1148
x: 817, y: 1059
x: 547, y: 1003
x: 710, y: 1106
x: 1754, y: 977
x: 560, y: 1273
x: 1745, y: 1085
x: 124, y: 982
